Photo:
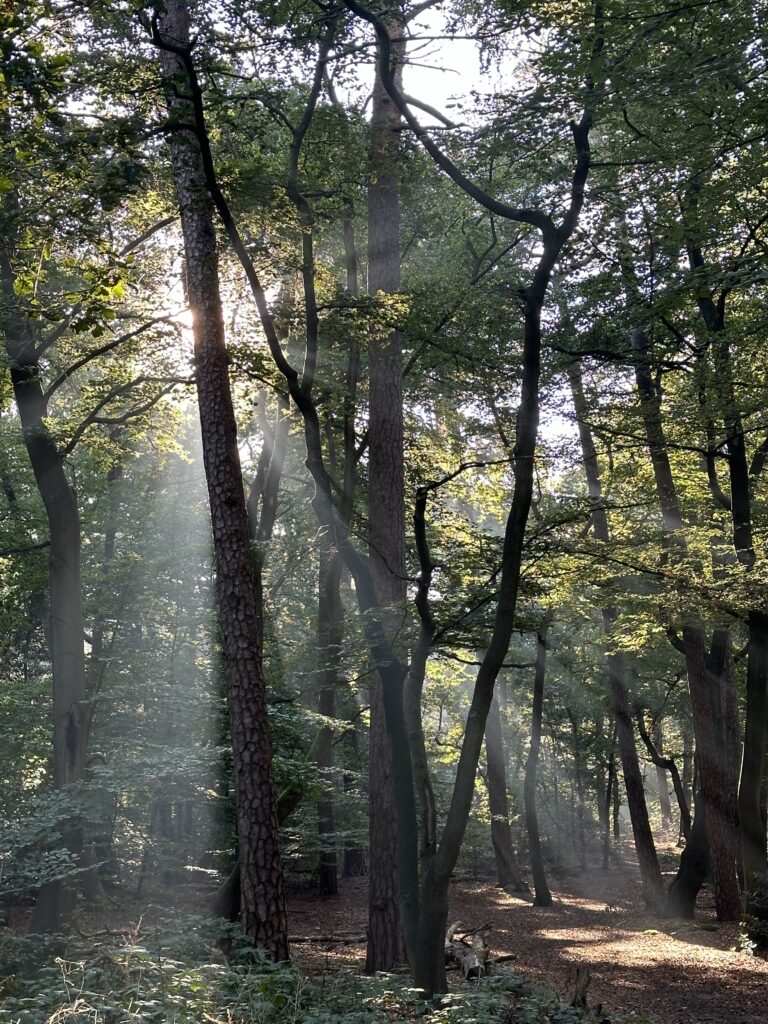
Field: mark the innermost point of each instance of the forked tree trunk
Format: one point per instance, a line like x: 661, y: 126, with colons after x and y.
x: 423, y: 898
x: 238, y: 593
x: 706, y: 710
x: 542, y: 895
x: 754, y: 853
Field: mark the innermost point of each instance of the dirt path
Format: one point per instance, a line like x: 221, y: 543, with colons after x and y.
x: 676, y: 972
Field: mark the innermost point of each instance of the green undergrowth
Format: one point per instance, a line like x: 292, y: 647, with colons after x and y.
x: 753, y: 936
x: 176, y: 974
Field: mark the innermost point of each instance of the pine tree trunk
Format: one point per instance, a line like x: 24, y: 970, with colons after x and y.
x: 237, y: 591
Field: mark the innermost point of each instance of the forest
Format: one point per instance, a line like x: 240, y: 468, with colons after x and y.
x: 383, y: 511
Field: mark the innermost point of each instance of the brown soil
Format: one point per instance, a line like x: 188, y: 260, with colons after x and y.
x: 675, y: 972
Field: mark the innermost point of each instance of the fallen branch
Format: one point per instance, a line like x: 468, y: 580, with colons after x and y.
x: 471, y: 958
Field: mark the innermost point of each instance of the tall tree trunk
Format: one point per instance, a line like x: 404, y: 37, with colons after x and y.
x: 423, y: 899
x: 507, y: 868
x: 330, y: 605
x: 610, y: 782
x: 752, y: 832
x: 650, y: 873
x: 578, y: 775
x: 70, y: 714
x: 721, y: 834
x: 238, y: 593
x: 751, y: 783
x: 386, y: 508
x: 330, y: 631
x: 542, y: 895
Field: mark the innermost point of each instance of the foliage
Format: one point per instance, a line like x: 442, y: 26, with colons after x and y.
x: 177, y: 973
x: 753, y: 936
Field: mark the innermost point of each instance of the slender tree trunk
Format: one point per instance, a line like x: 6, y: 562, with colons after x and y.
x: 386, y: 510
x: 542, y: 895
x: 610, y: 777
x: 330, y: 627
x: 687, y: 731
x: 423, y: 901
x: 507, y: 868
x: 578, y: 773
x: 616, y: 812
x: 70, y: 715
x: 97, y: 848
x: 238, y: 593
x: 650, y: 873
x: 662, y: 785
x: 722, y: 838
x: 668, y: 765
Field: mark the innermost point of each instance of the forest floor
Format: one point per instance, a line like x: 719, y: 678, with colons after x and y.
x: 676, y: 972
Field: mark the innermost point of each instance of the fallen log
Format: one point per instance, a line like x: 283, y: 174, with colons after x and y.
x: 470, y: 957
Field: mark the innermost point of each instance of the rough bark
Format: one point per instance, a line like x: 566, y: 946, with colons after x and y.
x: 237, y: 591
x: 542, y: 895
x: 650, y: 873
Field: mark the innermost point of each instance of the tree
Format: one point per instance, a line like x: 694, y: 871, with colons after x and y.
x: 644, y: 845
x: 261, y: 877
